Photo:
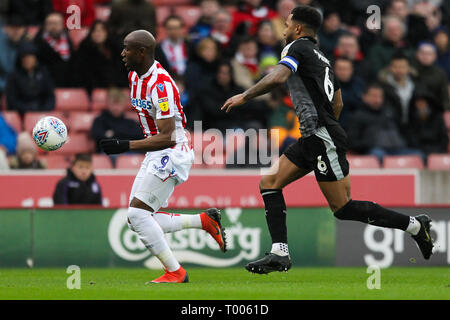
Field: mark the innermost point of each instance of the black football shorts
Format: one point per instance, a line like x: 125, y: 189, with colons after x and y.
x: 323, y: 152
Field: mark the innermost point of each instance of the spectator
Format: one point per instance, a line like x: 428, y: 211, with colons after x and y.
x: 284, y: 8
x: 130, y: 15
x: 33, y: 12
x: 443, y: 48
x: 86, y: 10
x: 201, y: 69
x: 329, y: 33
x: 204, y: 25
x: 248, y: 16
x: 111, y: 123
x: 221, y: 29
x: 348, y: 47
x: 352, y: 87
x: 399, y: 82
x: 268, y: 43
x: 29, y: 87
x: 55, y: 49
x: 11, y: 36
x: 380, y: 54
x: 175, y: 46
x: 8, y: 137
x: 374, y: 129
x: 80, y: 185
x: 26, y: 155
x: 98, y: 62
x: 245, y: 63
x: 431, y: 76
x: 426, y: 129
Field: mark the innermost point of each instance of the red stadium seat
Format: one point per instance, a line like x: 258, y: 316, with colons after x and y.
x: 401, y: 162
x: 189, y: 14
x: 32, y: 117
x: 55, y: 161
x: 102, y: 12
x: 157, y: 3
x: 162, y: 13
x: 447, y: 119
x: 129, y: 161
x: 363, y: 162
x: 13, y: 119
x: 99, y: 99
x: 76, y: 143
x: 71, y: 99
x: 80, y: 121
x: 101, y: 161
x: 439, y: 161
x: 78, y: 35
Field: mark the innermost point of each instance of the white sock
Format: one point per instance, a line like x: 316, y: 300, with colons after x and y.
x: 413, y: 226
x: 152, y: 236
x: 280, y: 248
x: 171, y: 222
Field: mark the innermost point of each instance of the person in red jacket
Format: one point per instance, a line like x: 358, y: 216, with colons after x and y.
x: 87, y: 10
x: 251, y: 13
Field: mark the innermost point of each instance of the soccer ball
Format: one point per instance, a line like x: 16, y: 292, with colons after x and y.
x: 50, y: 133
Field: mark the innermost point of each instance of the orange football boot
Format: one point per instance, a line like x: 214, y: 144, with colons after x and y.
x: 211, y: 224
x: 178, y: 276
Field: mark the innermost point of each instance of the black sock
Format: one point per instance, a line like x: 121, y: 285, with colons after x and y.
x: 372, y: 213
x: 275, y: 214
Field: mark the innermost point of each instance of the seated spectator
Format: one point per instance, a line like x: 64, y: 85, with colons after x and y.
x: 348, y: 47
x: 426, y: 128
x: 175, y: 46
x: 443, y: 49
x: 431, y: 76
x: 374, y: 129
x: 55, y: 49
x: 8, y: 137
x: 284, y: 8
x: 97, y: 62
x: 399, y: 85
x: 268, y: 43
x: 11, y: 36
x: 130, y: 15
x: 204, y: 25
x: 248, y: 16
x: 26, y: 154
x: 201, y: 68
x: 80, y: 185
x: 29, y: 87
x: 393, y: 39
x: 352, y: 87
x: 221, y: 29
x: 111, y: 123
x: 245, y: 63
x: 87, y: 10
x: 329, y: 33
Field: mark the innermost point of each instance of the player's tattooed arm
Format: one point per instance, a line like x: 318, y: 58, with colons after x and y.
x: 278, y: 76
x: 338, y: 104
x: 165, y: 138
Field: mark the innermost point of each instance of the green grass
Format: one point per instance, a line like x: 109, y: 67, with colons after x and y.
x: 233, y: 283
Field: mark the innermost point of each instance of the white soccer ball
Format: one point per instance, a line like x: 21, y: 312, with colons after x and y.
x: 50, y: 133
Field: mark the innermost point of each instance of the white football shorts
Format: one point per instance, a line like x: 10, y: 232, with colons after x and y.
x: 160, y: 172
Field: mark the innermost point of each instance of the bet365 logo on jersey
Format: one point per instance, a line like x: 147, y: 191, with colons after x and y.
x: 139, y: 103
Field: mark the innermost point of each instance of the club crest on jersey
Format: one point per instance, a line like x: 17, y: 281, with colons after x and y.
x: 160, y: 87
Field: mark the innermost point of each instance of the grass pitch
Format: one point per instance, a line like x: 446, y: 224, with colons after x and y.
x: 232, y: 283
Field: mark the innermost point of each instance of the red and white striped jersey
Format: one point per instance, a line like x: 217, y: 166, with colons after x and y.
x: 154, y: 96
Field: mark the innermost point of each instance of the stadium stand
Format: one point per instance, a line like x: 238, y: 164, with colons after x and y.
x: 189, y: 14
x: 129, y: 161
x: 363, y: 162
x: 76, y: 143
x: 55, y: 161
x: 31, y: 118
x: 81, y: 121
x: 13, y: 119
x: 101, y: 161
x: 99, y: 99
x: 71, y: 99
x: 439, y: 161
x: 403, y: 162
x: 102, y: 12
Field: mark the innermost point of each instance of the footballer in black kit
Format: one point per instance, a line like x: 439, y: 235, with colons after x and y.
x: 317, y: 100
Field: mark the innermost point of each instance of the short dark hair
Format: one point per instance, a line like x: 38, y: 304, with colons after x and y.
x: 399, y: 55
x: 373, y: 85
x: 308, y: 16
x: 173, y: 17
x: 82, y: 157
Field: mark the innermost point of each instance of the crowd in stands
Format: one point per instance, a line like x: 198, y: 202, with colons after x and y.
x: 395, y: 80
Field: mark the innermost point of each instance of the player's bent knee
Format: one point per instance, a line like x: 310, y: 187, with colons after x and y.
x: 344, y: 212
x: 268, y: 182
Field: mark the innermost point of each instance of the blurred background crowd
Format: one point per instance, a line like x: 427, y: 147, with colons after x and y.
x: 394, y: 80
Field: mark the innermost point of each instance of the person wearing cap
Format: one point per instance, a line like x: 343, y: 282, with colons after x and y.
x: 29, y: 86
x: 26, y: 154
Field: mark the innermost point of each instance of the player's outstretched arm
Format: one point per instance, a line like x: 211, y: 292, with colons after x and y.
x: 278, y: 76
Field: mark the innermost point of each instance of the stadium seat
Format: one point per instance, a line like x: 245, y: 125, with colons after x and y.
x: 363, y: 162
x: 78, y: 35
x: 162, y: 13
x: 55, y: 161
x: 447, y: 119
x: 31, y: 118
x: 129, y: 161
x: 99, y: 99
x: 101, y: 161
x: 71, y: 99
x: 13, y: 119
x: 439, y: 161
x: 80, y: 121
x: 189, y: 14
x: 76, y: 143
x: 402, y: 162
x: 102, y: 13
